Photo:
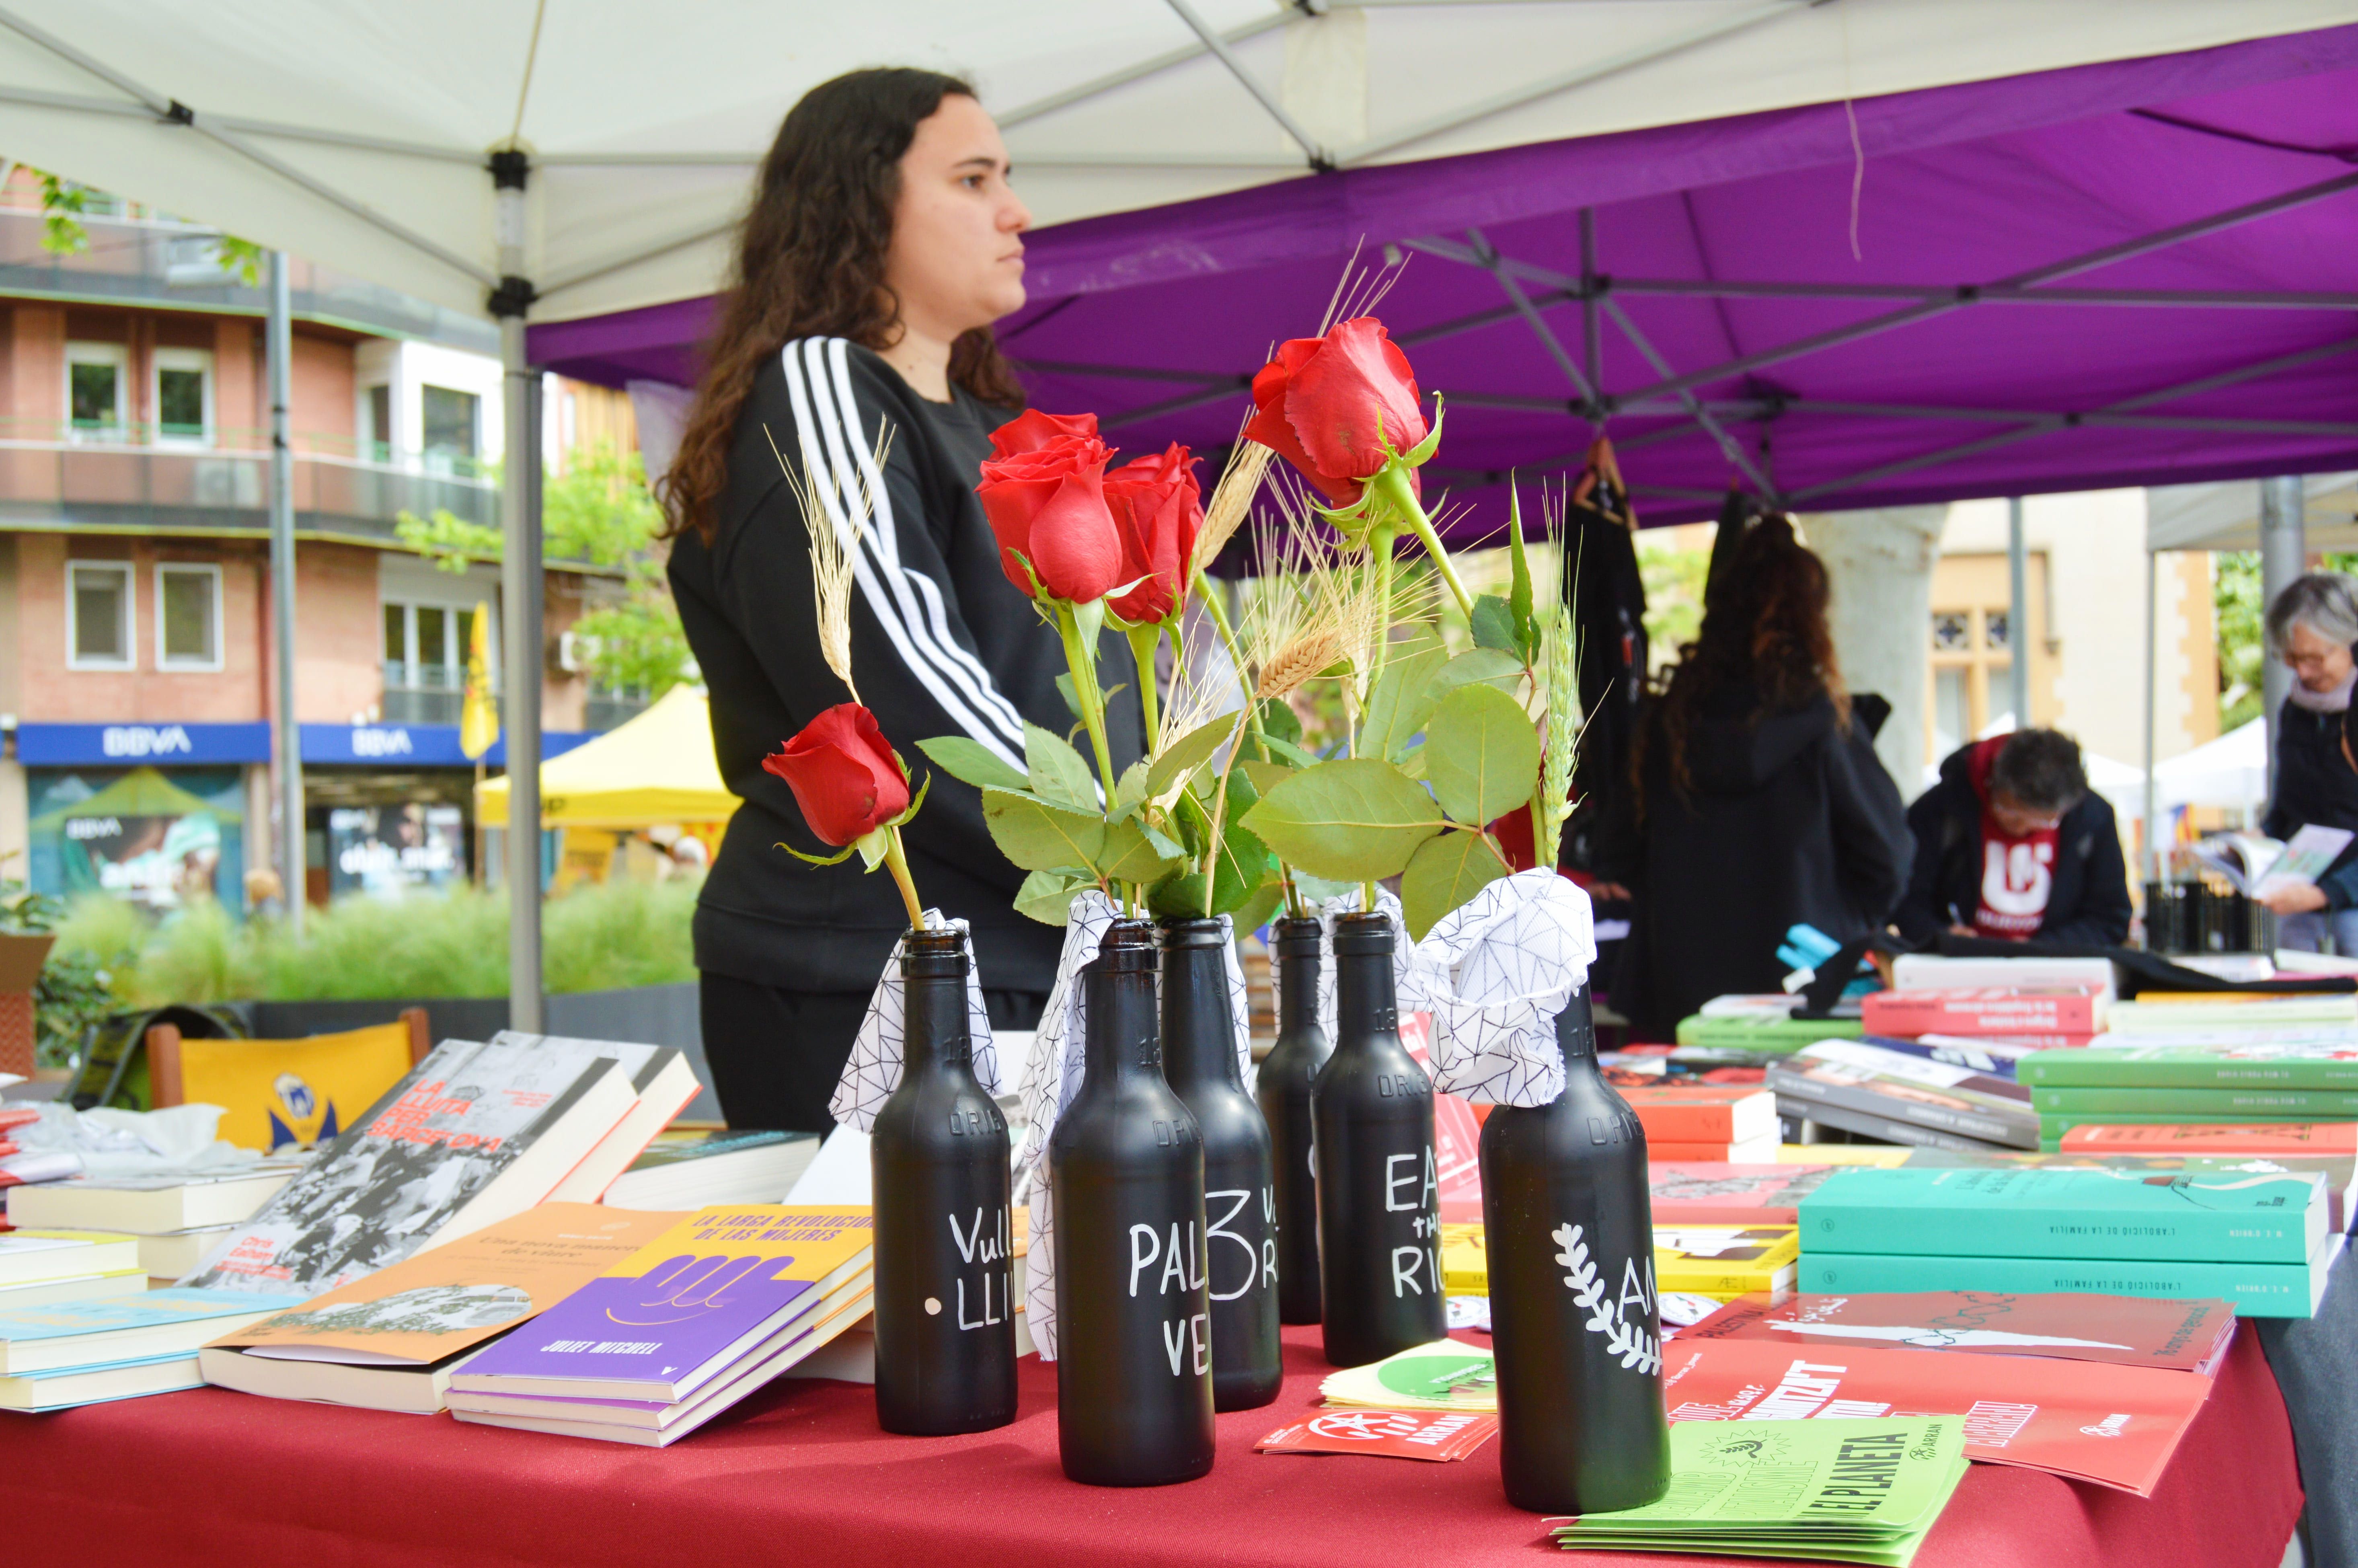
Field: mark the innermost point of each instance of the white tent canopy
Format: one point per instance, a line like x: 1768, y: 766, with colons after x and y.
x: 2226, y: 517
x: 358, y: 135
x: 2232, y: 772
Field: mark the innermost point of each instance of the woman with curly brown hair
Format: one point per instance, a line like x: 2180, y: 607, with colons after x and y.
x: 882, y: 240
x: 1755, y: 802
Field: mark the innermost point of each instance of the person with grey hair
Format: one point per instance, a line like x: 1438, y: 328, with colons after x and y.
x: 2312, y: 627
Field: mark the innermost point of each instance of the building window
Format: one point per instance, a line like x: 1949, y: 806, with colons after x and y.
x: 425, y: 662
x: 95, y: 375
x: 376, y: 425
x: 1953, y: 631
x: 1995, y: 627
x: 184, y: 397
x: 451, y: 435
x: 98, y: 615
x: 187, y: 617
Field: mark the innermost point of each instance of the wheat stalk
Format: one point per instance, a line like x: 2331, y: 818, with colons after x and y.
x: 831, y: 556
x: 1231, y: 501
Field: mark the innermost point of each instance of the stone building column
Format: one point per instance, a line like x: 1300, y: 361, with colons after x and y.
x: 1881, y: 565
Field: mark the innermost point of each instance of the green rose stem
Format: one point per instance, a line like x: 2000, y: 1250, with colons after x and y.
x: 1080, y: 657
x: 1391, y: 486
x: 897, y: 862
x: 1211, y: 602
x: 1144, y: 641
x: 1380, y: 543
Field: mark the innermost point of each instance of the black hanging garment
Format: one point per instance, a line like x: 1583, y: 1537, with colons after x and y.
x: 1607, y: 596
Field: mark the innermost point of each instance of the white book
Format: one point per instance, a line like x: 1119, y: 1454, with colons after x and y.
x: 29, y: 1257
x: 665, y: 1081
x: 74, y: 1288
x: 63, y: 1388
x: 1931, y: 971
x: 411, y: 1391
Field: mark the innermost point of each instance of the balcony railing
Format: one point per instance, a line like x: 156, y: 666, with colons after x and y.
x: 100, y: 475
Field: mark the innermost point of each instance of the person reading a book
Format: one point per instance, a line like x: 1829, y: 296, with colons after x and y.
x: 853, y: 363
x: 1757, y: 803
x: 2012, y: 844
x: 2312, y: 627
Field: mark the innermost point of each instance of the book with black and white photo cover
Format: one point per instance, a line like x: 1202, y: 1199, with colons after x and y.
x: 664, y: 1080
x: 692, y: 1169
x: 473, y: 1134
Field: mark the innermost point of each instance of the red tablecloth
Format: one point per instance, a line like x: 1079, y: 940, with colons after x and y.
x: 800, y: 1474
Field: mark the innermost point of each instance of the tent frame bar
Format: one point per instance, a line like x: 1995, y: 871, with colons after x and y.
x: 1535, y: 322
x: 1728, y: 446
x: 1130, y: 73
x: 1320, y: 157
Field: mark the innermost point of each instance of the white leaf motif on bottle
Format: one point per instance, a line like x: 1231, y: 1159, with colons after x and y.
x: 1639, y: 1350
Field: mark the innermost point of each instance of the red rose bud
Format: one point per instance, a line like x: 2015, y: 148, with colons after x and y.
x: 843, y: 775
x: 1030, y: 430
x: 1048, y: 504
x: 1328, y: 404
x: 1157, y: 511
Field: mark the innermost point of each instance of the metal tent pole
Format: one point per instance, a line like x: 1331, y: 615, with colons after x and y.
x: 278, y: 346
x: 520, y: 600
x: 2017, y: 614
x: 2152, y: 790
x: 2284, y: 555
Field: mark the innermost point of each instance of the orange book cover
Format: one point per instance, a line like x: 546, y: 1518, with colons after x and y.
x: 1702, y: 1113
x: 444, y: 1300
x: 2203, y: 1138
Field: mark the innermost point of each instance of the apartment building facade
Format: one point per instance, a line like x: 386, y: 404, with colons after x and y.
x: 137, y: 663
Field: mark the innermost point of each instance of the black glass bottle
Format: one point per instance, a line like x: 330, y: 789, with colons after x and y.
x: 1378, y: 1217
x: 1574, y: 1319
x: 1199, y: 1061
x: 944, y: 1325
x: 1133, y: 1319
x: 1283, y: 1089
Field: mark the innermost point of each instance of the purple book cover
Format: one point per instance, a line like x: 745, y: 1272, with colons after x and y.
x: 673, y: 1307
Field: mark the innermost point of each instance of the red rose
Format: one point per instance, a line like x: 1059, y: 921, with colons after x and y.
x: 1157, y: 510
x: 1030, y: 430
x: 1322, y: 404
x: 843, y: 775
x: 1047, y: 502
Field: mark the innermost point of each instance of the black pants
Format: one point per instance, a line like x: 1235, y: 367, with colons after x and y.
x: 2316, y: 1362
x: 777, y: 1054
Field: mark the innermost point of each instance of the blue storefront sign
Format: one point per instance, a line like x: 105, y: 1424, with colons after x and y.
x: 128, y: 745
x: 414, y: 745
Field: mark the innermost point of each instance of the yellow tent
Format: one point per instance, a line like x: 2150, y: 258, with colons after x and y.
x: 658, y: 768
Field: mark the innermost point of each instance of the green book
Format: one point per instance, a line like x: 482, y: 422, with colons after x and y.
x: 2312, y: 1059
x: 1770, y: 1036
x: 1843, y: 1490
x: 2035, y: 1213
x: 2203, y: 1105
x: 2257, y: 1289
x: 2054, y: 1124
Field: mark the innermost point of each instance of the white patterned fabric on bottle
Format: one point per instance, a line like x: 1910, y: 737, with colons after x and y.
x: 1406, y: 988
x: 1496, y: 972
x: 873, y: 1070
x: 1052, y: 1077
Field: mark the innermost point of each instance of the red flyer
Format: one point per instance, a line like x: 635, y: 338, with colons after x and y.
x: 2126, y: 1331
x: 1985, y: 1010
x: 2116, y: 1426
x: 1390, y: 1435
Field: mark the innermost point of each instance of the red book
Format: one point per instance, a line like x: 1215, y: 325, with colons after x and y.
x: 1985, y: 1010
x: 16, y: 1116
x: 1704, y: 1113
x: 2116, y: 1426
x: 1714, y: 1193
x: 2126, y: 1331
x: 2200, y: 1137
x: 1752, y: 1149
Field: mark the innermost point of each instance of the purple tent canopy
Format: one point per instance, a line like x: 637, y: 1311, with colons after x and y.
x: 2138, y: 273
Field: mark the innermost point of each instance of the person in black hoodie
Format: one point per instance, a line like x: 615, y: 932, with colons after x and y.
x: 2310, y: 627
x: 2011, y: 845
x: 882, y: 240
x: 1757, y: 801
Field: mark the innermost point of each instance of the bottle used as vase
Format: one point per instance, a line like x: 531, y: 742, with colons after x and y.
x: 1283, y: 1089
x: 1133, y: 1314
x: 1379, y: 1197
x: 938, y: 1154
x: 1568, y: 1224
x: 1199, y: 1062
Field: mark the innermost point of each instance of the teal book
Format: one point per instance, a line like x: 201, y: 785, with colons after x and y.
x: 63, y: 1388
x: 2174, y: 1217
x: 2202, y: 1104
x: 2315, y: 1059
x: 127, y: 1328
x: 2257, y: 1289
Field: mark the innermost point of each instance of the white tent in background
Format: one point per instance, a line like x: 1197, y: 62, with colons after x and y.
x: 2231, y: 772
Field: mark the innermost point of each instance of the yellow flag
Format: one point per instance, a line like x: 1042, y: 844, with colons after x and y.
x: 478, y: 719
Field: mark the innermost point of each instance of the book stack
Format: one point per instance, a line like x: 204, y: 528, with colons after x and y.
x: 1724, y: 1123
x: 716, y: 1307
x: 178, y: 1217
x: 1719, y: 1262
x: 1938, y: 1090
x: 2197, y: 1077
x: 83, y: 1352
x: 388, y: 1342
x: 2169, y: 1012
x: 2261, y: 1241
x: 40, y: 1267
x: 690, y: 1169
x: 1764, y: 1026
x: 2340, y: 1170
x: 2057, y: 1014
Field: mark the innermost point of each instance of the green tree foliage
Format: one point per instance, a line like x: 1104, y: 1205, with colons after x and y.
x: 63, y: 203
x: 2237, y: 613
x: 1674, y: 582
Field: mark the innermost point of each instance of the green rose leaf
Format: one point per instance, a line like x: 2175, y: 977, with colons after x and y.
x: 1279, y: 722
x: 1493, y: 624
x: 1266, y: 776
x: 1042, y: 837
x: 1187, y: 753
x: 1130, y: 792
x: 1134, y: 852
x: 1443, y: 874
x: 1047, y: 896
x: 1403, y: 697
x: 1482, y: 666
x: 1352, y: 820
x: 1288, y: 754
x: 972, y: 762
x: 1482, y: 756
x: 1057, y: 773
x: 1254, y: 913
